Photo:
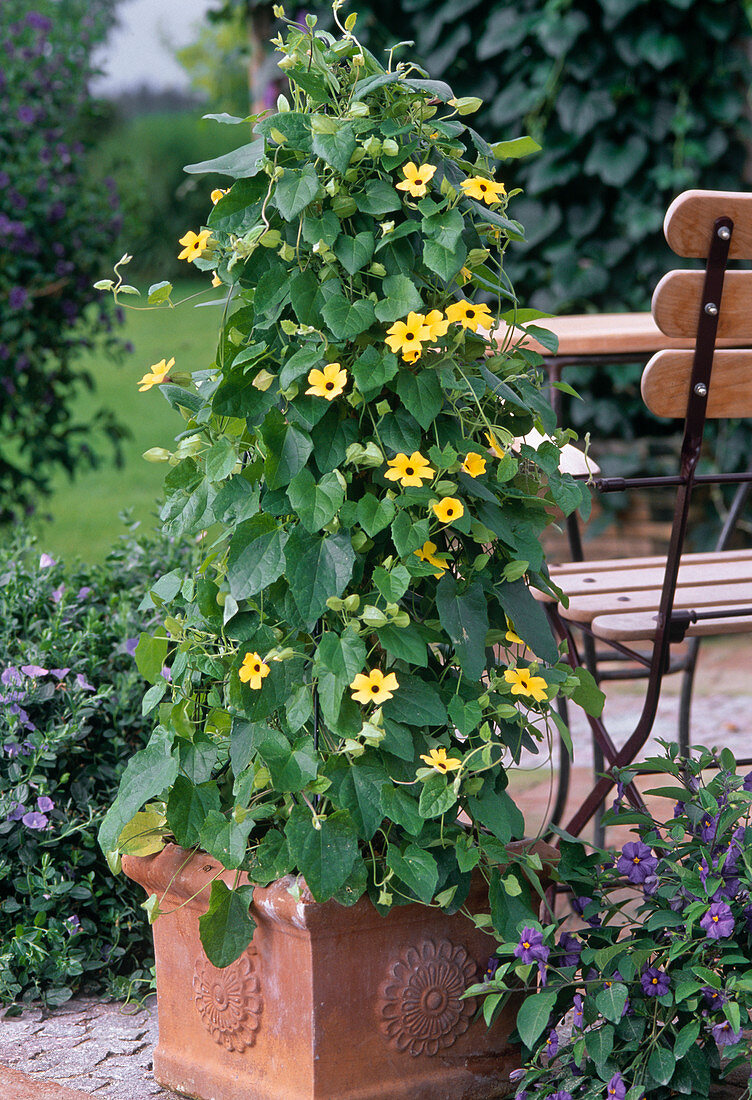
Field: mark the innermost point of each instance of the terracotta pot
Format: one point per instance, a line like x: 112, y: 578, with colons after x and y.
x: 327, y: 1003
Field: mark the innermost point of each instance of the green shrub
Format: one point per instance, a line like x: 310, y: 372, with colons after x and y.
x: 54, y: 234
x: 69, y: 721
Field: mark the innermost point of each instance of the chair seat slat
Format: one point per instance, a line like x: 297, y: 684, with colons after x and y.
x: 678, y: 297
x: 666, y: 378
x: 592, y: 582
x: 584, y: 609
x: 642, y: 627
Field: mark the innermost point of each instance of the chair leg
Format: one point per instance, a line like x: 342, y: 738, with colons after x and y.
x: 562, y: 787
x: 685, y: 700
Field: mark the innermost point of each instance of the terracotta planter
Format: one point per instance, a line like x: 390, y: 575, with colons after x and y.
x: 328, y: 1002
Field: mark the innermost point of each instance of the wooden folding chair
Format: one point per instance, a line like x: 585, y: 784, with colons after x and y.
x: 659, y: 601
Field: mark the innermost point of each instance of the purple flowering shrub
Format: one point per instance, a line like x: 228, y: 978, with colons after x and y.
x: 643, y: 990
x: 54, y: 233
x: 70, y: 718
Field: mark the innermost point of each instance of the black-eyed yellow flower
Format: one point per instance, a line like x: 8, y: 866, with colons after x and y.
x: 374, y: 687
x: 440, y: 762
x: 408, y: 336
x: 195, y: 244
x: 411, y: 356
x: 435, y: 324
x: 409, y: 471
x: 156, y: 376
x: 329, y: 382
x: 488, y: 191
x: 470, y: 315
x: 448, y: 509
x: 465, y: 275
x: 417, y: 177
x: 511, y: 634
x: 253, y: 671
x: 217, y: 194
x: 427, y: 553
x: 494, y: 446
x: 525, y: 683
x: 216, y: 281
x: 474, y: 464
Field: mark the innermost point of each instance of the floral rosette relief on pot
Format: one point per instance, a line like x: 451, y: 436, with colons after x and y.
x: 358, y: 658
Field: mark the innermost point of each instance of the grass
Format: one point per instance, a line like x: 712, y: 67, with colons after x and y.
x: 81, y: 518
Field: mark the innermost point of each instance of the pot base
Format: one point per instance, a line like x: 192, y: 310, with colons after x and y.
x: 327, y: 1003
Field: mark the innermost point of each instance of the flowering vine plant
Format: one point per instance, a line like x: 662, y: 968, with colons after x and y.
x: 359, y: 655
x: 646, y: 991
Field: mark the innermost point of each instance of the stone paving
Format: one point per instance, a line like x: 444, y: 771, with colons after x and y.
x: 100, y: 1049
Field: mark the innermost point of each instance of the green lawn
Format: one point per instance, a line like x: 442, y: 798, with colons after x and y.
x: 84, y: 514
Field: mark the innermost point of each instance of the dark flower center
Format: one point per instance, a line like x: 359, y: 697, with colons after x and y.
x: 409, y: 471
x: 484, y: 187
x: 375, y: 689
x: 409, y: 335
x: 329, y: 385
x: 470, y: 313
x: 450, y: 511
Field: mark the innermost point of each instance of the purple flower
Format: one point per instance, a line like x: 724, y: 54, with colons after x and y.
x: 17, y: 297
x: 46, y: 561
x: 59, y: 673
x: 74, y: 924
x: 491, y: 968
x: 35, y: 821
x: 747, y: 784
x: 718, y: 922
x: 57, y: 593
x: 83, y: 592
x: 578, y: 1017
x: 10, y: 677
x: 45, y: 804
x: 571, y: 948
x: 580, y: 905
x: 616, y: 1087
x: 33, y: 670
x: 17, y: 811
x: 552, y: 1044
x: 130, y: 646
x: 725, y: 1035
x: 27, y: 115
x: 531, y: 947
x: 654, y: 982
x: 83, y: 683
x: 12, y: 748
x: 650, y: 885
x: 708, y: 826
x: 714, y: 998
x: 636, y: 861
x: 517, y: 1075
x: 562, y: 1094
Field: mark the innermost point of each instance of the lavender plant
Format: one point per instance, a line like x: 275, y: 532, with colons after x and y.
x: 644, y: 993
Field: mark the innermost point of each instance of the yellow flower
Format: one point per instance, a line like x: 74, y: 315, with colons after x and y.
x: 438, y: 760
x: 524, y: 683
x: 157, y: 374
x: 477, y: 187
x: 474, y: 464
x: 494, y: 446
x: 216, y: 281
x: 448, y: 509
x: 466, y: 274
x: 435, y: 324
x: 511, y: 634
x: 409, y: 471
x: 217, y: 194
x: 427, y: 553
x: 375, y: 687
x: 329, y: 382
x: 408, y: 336
x: 195, y: 244
x: 411, y: 356
x: 253, y: 670
x: 416, y: 179
x: 469, y: 315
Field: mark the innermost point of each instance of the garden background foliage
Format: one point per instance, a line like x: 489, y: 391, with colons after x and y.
x: 54, y: 234
x: 70, y: 718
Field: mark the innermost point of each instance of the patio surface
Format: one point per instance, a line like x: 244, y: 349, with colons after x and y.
x: 88, y: 1048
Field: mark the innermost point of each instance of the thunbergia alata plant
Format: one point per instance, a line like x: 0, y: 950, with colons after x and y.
x: 359, y: 655
x: 649, y: 997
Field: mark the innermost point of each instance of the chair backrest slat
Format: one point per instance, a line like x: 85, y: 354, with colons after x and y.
x: 665, y: 383
x: 689, y: 222
x: 676, y: 305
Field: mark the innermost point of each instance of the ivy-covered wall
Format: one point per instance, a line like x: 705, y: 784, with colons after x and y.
x: 632, y: 100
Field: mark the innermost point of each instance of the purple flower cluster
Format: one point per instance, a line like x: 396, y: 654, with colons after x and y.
x: 32, y: 819
x: 531, y: 947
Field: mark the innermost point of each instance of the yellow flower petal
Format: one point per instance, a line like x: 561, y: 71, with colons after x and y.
x: 409, y: 471
x: 440, y: 762
x: 470, y: 315
x: 329, y: 382
x: 427, y: 553
x: 157, y: 374
x: 488, y: 191
x: 435, y: 324
x: 448, y: 509
x: 253, y: 670
x: 195, y: 244
x: 417, y: 177
x: 474, y: 464
x: 525, y: 683
x: 373, y: 687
